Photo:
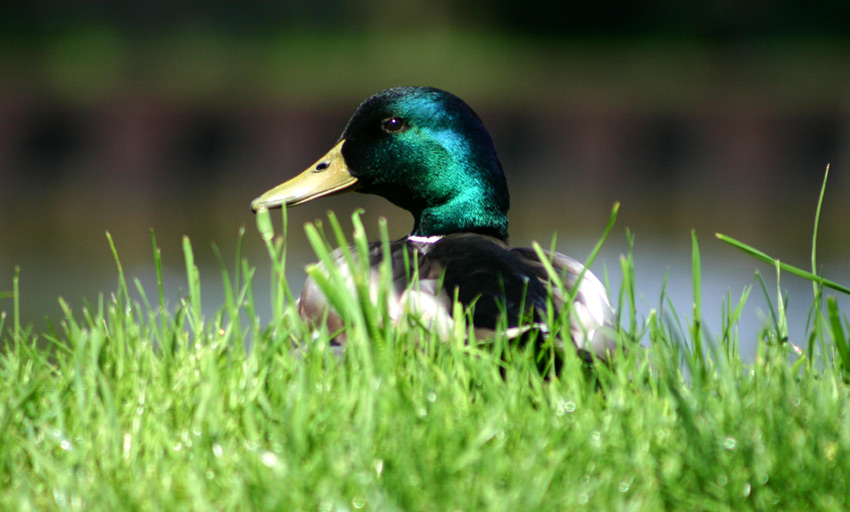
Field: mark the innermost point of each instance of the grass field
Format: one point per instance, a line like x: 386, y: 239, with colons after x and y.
x: 131, y: 405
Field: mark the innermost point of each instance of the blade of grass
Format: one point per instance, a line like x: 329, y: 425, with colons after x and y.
x: 122, y: 283
x: 327, y: 276
x: 815, y: 315
x: 157, y: 261
x: 194, y: 282
x: 839, y: 337
x: 276, y: 248
x: 734, y: 317
x: 16, y: 315
x: 627, y: 265
x: 166, y: 341
x: 816, y: 285
x: 696, y: 327
x: 231, y: 302
x: 781, y: 307
x: 759, y: 255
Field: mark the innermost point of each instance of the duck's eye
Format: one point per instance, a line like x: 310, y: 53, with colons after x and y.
x: 393, y: 124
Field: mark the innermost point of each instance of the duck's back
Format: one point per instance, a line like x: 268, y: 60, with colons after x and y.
x: 499, y: 281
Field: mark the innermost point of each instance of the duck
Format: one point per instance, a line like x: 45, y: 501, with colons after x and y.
x: 426, y: 151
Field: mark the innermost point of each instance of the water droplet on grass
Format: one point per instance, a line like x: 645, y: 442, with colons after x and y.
x: 595, y: 439
x: 269, y: 459
x: 128, y: 444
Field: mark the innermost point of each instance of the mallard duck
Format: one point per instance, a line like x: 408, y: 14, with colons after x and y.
x: 427, y: 151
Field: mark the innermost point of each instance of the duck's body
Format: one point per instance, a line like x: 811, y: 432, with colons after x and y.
x: 428, y: 152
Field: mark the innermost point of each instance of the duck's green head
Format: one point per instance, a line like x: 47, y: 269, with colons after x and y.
x: 422, y: 148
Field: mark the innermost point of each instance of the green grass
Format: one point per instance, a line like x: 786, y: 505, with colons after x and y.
x: 136, y: 406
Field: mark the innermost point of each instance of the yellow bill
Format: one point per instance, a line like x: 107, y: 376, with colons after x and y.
x: 329, y: 175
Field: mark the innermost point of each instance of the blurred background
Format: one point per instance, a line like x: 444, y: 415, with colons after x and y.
x: 127, y: 116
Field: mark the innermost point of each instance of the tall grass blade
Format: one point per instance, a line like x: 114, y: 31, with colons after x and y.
x: 696, y: 327
x: 627, y: 266
x: 816, y: 285
x: 123, y: 294
x: 231, y: 302
x: 781, y: 308
x: 839, y: 337
x: 157, y: 263
x: 193, y: 279
x: 166, y: 341
x: 280, y: 293
x: 16, y: 314
x: 759, y: 255
x: 813, y: 320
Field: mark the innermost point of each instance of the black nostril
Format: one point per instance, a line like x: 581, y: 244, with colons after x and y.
x: 322, y: 166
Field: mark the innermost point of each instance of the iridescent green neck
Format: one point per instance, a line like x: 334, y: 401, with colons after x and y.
x: 458, y: 191
x: 468, y: 213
